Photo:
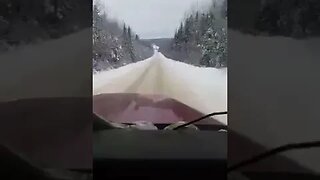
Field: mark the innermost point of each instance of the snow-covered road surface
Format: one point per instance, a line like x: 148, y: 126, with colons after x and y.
x: 55, y: 68
x: 204, y: 89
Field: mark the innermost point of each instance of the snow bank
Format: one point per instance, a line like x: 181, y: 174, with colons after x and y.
x: 204, y: 89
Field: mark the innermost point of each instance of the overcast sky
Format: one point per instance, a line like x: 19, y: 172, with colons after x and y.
x: 151, y: 18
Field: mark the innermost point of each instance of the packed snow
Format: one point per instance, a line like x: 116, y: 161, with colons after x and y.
x: 204, y: 89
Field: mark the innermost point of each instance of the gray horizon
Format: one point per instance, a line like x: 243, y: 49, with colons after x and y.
x: 152, y: 19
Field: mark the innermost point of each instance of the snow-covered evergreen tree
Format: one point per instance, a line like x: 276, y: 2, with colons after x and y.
x: 196, y: 29
x: 187, y: 35
x: 214, y: 45
x: 203, y: 24
x: 205, y: 32
x: 209, y: 45
x: 178, y: 39
x: 130, y: 45
x: 124, y: 33
x: 107, y: 49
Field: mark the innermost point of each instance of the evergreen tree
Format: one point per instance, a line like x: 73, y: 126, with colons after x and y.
x: 130, y: 45
x: 208, y: 49
x: 98, y: 36
x: 196, y: 29
x: 124, y: 32
x: 129, y: 33
x: 179, y: 37
x: 214, y: 48
x: 197, y: 16
x: 187, y: 30
x: 210, y: 20
x: 203, y: 25
x: 137, y: 37
x: 107, y: 50
x: 221, y: 49
x: 125, y: 39
x: 115, y: 50
x: 175, y: 39
x: 206, y: 32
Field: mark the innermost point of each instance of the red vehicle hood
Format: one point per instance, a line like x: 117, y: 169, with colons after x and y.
x: 157, y: 109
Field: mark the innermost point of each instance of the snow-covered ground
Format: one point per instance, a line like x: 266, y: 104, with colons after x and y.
x: 273, y: 92
x: 49, y: 69
x: 204, y: 89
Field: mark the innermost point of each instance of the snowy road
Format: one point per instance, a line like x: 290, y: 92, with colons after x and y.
x: 204, y: 89
x: 55, y: 68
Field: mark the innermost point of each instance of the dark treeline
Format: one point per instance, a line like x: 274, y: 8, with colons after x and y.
x: 206, y: 32
x: 24, y: 22
x: 294, y: 18
x: 290, y: 18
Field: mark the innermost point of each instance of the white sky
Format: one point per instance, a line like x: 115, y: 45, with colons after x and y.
x: 151, y: 18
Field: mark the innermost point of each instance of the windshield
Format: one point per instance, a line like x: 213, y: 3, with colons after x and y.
x: 160, y: 76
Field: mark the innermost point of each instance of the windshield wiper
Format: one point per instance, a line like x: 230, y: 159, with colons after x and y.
x: 199, y: 119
